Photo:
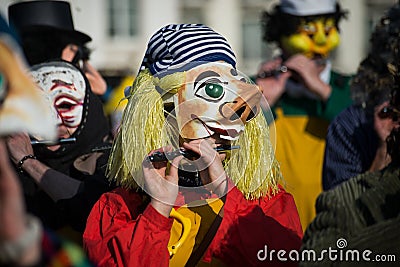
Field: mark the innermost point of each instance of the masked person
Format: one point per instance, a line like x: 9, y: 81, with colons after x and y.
x: 63, y: 179
x: 304, y: 92
x: 356, y: 139
x: 23, y: 240
x: 207, y: 207
x: 47, y: 32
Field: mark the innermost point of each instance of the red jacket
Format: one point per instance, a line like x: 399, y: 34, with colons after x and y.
x: 122, y: 231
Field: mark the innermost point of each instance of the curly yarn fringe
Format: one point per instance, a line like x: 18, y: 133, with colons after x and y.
x: 143, y: 129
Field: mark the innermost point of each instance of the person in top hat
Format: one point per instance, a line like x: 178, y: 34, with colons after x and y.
x: 303, y: 91
x: 47, y: 32
x: 64, y: 177
x: 23, y: 239
x: 207, y: 207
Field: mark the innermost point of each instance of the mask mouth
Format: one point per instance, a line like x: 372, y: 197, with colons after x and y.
x: 215, y: 127
x: 228, y: 134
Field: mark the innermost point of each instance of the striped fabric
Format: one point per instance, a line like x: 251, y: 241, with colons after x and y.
x: 176, y: 44
x: 351, y: 144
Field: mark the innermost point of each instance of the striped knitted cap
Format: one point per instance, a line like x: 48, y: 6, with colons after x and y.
x: 177, y: 44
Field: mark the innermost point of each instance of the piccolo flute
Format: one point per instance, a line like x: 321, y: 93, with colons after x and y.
x: 282, y: 69
x: 52, y: 143
x: 161, y: 156
x: 272, y: 73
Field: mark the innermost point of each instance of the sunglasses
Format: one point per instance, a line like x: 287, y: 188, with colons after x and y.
x: 81, y: 55
x: 389, y: 112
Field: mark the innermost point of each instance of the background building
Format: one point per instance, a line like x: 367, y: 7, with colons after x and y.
x: 121, y: 28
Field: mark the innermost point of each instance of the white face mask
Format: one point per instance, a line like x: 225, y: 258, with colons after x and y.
x: 22, y: 107
x: 215, y: 99
x: 65, y: 88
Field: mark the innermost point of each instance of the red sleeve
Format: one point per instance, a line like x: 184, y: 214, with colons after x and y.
x: 283, y: 209
x: 249, y: 226
x: 115, y: 236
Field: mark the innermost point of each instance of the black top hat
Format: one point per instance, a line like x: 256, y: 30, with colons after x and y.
x: 54, y: 16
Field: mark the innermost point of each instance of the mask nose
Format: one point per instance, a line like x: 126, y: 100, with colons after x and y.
x: 320, y: 35
x: 245, y: 107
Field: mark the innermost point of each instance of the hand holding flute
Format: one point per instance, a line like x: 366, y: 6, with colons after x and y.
x: 162, y: 185
x: 21, y: 145
x: 273, y: 76
x: 271, y: 79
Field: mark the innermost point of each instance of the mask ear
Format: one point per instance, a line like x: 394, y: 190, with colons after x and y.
x: 23, y: 108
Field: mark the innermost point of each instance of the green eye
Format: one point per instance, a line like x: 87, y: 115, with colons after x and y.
x: 210, y: 89
x: 214, y: 90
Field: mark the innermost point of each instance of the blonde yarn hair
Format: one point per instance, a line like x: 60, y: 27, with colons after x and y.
x: 253, y: 168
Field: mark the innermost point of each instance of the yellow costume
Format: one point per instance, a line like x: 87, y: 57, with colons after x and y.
x: 308, y: 28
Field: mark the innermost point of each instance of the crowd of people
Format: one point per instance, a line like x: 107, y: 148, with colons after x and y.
x: 307, y: 96
x: 190, y: 176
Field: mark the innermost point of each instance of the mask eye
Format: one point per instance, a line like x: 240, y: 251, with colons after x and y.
x: 328, y: 28
x: 214, y: 90
x: 308, y: 29
x: 329, y: 25
x: 210, y: 89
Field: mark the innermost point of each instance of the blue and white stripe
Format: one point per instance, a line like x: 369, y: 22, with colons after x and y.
x: 178, y: 44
